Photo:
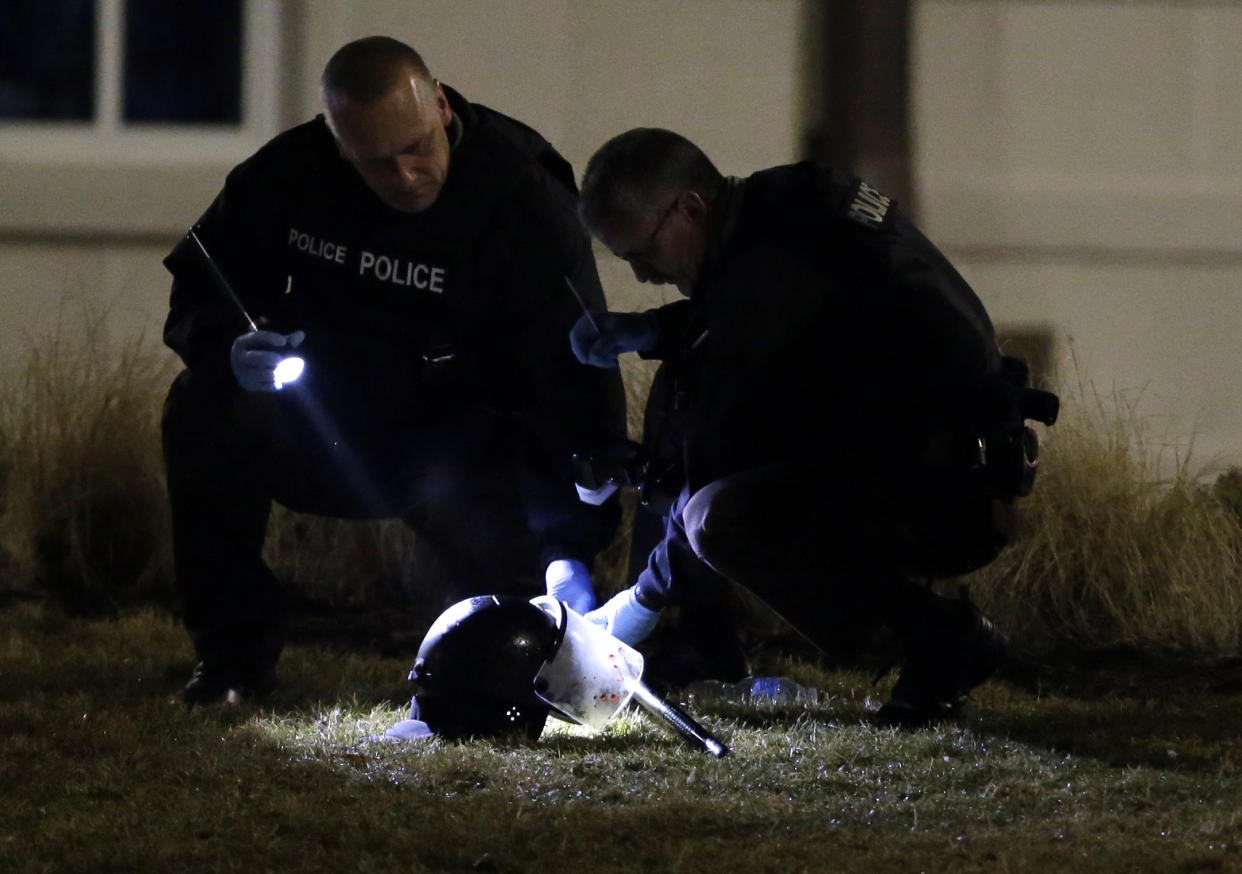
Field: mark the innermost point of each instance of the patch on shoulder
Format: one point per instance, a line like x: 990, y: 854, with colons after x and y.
x: 868, y: 207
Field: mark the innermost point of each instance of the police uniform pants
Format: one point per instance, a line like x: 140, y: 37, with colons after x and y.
x: 838, y: 558
x: 464, y: 483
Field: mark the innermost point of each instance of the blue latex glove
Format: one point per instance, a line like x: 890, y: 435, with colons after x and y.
x: 254, y: 357
x: 569, y: 580
x: 617, y: 333
x: 624, y: 618
x: 406, y: 729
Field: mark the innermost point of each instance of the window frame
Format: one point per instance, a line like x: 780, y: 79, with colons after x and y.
x: 108, y: 139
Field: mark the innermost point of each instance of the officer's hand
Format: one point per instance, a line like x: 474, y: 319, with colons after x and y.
x: 624, y: 618
x: 616, y: 333
x: 569, y: 581
x: 254, y: 357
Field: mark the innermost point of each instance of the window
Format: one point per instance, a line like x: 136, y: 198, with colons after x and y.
x: 47, y: 69
x: 182, y: 62
x: 136, y: 80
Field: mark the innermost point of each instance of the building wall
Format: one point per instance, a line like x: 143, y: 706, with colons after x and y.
x: 82, y: 226
x: 729, y: 74
x: 1080, y: 162
x: 1077, y: 159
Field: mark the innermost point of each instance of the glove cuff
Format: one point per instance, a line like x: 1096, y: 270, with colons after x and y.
x: 625, y: 618
x: 569, y: 580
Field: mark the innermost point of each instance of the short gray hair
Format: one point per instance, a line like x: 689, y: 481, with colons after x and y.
x: 627, y: 171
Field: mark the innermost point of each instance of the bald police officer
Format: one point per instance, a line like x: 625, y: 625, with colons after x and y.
x: 413, y: 249
x: 837, y: 383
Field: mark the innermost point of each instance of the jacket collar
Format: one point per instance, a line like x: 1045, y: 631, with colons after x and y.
x: 723, y: 221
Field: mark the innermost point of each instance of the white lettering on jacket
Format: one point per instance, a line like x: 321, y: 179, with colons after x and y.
x: 401, y: 272
x: 869, y: 207
x: 312, y: 245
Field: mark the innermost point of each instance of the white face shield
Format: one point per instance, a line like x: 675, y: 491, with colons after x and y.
x: 592, y: 675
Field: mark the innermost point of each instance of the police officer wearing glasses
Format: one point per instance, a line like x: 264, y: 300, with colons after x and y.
x: 849, y: 429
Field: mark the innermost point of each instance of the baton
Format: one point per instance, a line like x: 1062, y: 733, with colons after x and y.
x: 221, y: 281
x: 289, y: 369
x: 695, y: 734
x: 582, y: 303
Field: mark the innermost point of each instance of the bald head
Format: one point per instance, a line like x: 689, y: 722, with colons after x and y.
x: 389, y: 119
x: 366, y: 69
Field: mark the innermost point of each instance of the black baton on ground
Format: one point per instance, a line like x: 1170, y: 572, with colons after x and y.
x: 694, y: 733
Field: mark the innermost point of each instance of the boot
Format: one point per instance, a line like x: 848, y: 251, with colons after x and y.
x: 228, y: 675
x: 942, y: 664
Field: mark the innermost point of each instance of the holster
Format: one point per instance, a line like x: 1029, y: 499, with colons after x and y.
x: 657, y: 481
x: 1008, y: 446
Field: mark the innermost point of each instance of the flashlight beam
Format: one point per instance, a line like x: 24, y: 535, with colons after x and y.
x: 695, y: 734
x: 221, y: 280
x: 582, y: 303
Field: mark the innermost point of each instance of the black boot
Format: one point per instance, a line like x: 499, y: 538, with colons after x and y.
x: 230, y: 674
x: 955, y: 649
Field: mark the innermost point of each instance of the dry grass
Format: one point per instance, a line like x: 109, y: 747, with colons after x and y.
x: 1066, y: 769
x: 84, y: 513
x: 1122, y: 546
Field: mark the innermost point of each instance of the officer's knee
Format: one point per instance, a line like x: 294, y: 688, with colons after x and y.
x: 200, y: 416
x: 714, y: 522
x: 181, y: 411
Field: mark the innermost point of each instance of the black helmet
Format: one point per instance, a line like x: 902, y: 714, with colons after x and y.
x: 476, y: 668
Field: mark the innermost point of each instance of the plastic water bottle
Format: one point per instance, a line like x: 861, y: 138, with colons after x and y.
x: 781, y: 690
x: 752, y: 691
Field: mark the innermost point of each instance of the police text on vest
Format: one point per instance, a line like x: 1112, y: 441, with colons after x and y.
x: 401, y: 272
x: 869, y: 207
x: 311, y: 245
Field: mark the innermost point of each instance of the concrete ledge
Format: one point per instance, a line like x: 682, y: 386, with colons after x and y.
x: 1191, y: 219
x: 58, y: 199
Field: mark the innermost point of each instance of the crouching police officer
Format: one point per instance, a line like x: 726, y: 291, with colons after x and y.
x: 849, y: 426
x: 413, y: 249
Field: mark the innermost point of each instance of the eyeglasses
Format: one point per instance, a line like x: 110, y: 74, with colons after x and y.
x: 640, y: 254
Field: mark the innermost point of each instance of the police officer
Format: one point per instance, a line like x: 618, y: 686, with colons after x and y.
x: 413, y: 249
x: 836, y: 380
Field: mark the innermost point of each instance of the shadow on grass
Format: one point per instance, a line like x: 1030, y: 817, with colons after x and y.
x: 1144, y: 674
x: 1125, y: 710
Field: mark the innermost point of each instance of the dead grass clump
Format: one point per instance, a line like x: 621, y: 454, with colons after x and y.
x: 371, y: 562
x: 84, y: 510
x: 1122, y: 546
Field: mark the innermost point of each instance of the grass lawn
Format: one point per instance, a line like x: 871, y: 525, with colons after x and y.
x: 1113, y: 765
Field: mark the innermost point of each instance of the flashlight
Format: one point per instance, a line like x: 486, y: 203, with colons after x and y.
x: 290, y: 368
